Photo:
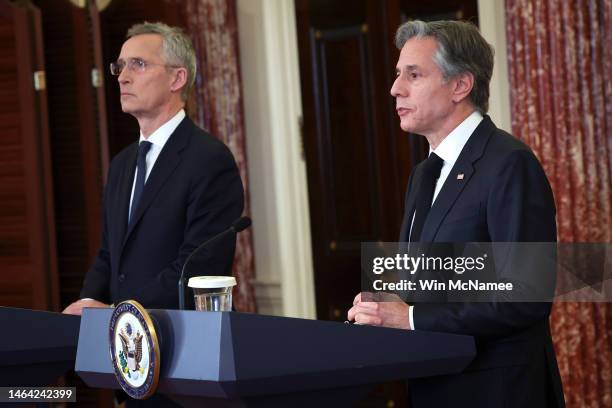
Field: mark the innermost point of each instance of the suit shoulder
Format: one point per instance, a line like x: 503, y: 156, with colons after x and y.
x: 201, y: 140
x: 503, y: 146
x: 203, y: 143
x: 508, y: 157
x: 504, y: 141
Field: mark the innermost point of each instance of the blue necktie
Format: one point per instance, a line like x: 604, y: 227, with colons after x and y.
x: 141, y: 164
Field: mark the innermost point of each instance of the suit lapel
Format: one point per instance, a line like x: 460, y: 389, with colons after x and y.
x: 446, y: 198
x: 453, y: 185
x: 166, y: 163
x: 122, y: 203
x: 410, y: 204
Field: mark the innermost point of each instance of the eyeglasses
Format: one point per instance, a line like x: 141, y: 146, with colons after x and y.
x: 137, y: 65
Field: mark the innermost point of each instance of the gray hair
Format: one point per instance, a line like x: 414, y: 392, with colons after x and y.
x: 177, y: 49
x: 461, y: 49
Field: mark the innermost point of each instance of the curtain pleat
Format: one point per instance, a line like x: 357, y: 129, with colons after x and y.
x: 560, y: 64
x: 217, y: 107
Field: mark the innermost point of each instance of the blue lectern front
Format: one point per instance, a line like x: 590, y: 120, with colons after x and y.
x: 229, y: 359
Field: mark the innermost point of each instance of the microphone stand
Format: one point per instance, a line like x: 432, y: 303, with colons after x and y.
x: 237, y: 226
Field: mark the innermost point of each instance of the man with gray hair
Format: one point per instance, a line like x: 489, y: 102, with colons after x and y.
x: 174, y: 189
x: 479, y: 184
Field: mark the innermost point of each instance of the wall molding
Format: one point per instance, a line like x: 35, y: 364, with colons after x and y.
x: 269, y: 297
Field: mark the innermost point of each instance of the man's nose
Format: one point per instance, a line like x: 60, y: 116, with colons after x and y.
x: 123, y: 76
x: 397, y: 89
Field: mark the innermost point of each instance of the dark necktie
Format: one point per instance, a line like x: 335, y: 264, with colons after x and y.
x: 431, y: 173
x: 141, y: 164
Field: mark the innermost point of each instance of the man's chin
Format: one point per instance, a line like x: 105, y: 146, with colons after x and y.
x: 407, y: 127
x: 126, y: 108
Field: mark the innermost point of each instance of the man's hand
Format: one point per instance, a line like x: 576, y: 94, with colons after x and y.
x: 76, y: 308
x: 392, y: 312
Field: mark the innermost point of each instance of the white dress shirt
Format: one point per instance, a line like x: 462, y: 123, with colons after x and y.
x: 158, y: 140
x: 449, y: 150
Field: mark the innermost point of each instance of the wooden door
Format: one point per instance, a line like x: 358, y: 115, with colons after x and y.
x: 78, y: 145
x: 28, y: 277
x: 77, y: 124
x: 353, y: 151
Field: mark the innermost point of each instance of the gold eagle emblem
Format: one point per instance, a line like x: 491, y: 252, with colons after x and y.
x: 132, y: 347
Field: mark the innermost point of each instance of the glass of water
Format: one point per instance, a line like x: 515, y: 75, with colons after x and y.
x: 212, y: 293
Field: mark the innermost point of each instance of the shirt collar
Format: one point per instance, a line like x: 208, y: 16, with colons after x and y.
x: 162, y: 134
x: 450, y: 148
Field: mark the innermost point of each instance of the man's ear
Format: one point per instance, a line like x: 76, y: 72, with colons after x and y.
x: 463, y: 86
x: 180, y: 79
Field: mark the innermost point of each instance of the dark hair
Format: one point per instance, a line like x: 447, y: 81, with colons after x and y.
x: 461, y: 49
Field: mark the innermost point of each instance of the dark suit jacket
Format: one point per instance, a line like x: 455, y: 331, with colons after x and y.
x: 504, y: 196
x: 193, y: 192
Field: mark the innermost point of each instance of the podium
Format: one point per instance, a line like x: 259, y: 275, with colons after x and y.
x: 228, y: 359
x: 37, y: 347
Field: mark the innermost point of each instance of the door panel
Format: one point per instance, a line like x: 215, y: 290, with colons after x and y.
x: 352, y: 149
x: 27, y: 231
x: 77, y: 139
x: 344, y: 125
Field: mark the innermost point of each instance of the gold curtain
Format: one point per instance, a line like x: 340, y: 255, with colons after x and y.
x: 560, y: 65
x: 217, y: 107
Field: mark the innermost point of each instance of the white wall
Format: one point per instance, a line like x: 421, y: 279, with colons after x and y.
x: 277, y: 172
x: 272, y: 102
x: 492, y: 20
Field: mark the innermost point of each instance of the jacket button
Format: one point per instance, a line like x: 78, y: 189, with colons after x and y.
x: 121, y: 278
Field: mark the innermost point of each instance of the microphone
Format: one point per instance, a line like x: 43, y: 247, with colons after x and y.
x: 240, y: 224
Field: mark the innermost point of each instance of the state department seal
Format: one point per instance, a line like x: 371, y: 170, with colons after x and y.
x: 134, y: 349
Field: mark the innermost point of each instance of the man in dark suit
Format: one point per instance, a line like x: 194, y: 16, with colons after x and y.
x: 166, y: 194
x: 479, y: 184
